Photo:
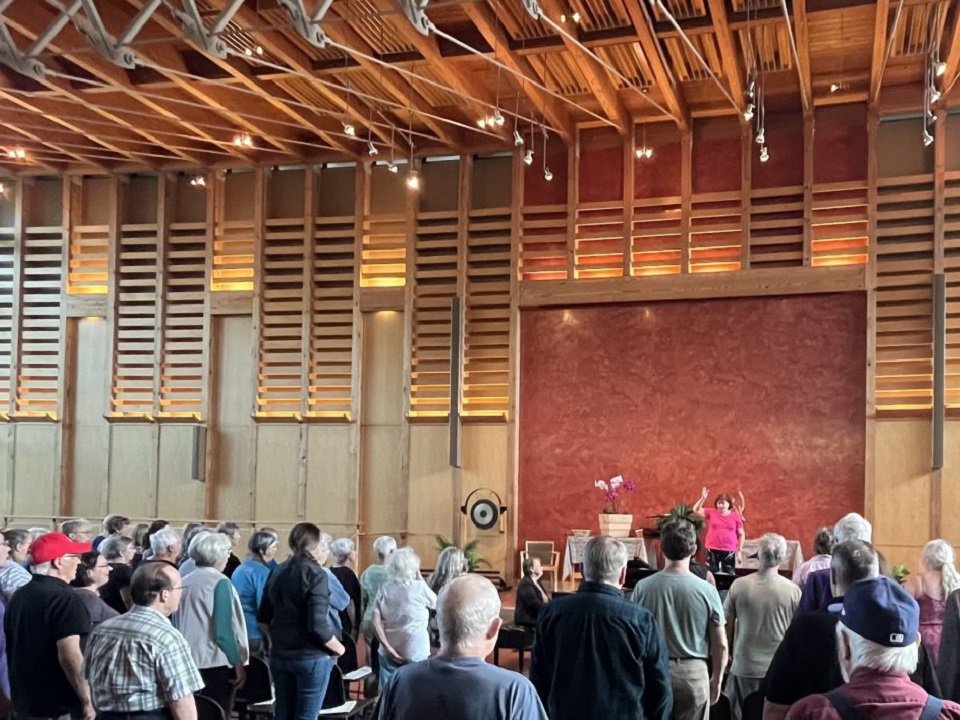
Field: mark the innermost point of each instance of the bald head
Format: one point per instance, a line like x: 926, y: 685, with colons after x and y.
x: 468, y: 612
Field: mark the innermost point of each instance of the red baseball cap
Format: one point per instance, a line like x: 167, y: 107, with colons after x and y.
x: 53, y: 545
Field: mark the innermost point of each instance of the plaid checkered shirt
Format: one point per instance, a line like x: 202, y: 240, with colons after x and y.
x: 138, y: 662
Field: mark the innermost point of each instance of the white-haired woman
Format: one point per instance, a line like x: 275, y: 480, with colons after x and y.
x: 930, y: 587
x: 211, y: 619
x: 372, y: 579
x: 451, y: 564
x: 401, y: 614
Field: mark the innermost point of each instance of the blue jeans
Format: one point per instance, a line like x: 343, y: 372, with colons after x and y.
x: 300, y: 686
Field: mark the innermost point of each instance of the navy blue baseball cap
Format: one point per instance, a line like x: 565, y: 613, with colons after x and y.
x: 882, y: 611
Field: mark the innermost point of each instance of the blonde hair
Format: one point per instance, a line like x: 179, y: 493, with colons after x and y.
x: 939, y: 555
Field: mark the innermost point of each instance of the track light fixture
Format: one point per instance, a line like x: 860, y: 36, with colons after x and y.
x: 349, y: 129
x: 482, y: 122
x: 934, y: 95
x: 17, y: 153
x: 547, y: 175
x: 413, y: 180
x: 392, y: 167
x: 764, y: 154
x: 498, y: 120
x: 748, y: 112
x: 372, y: 149
x: 940, y: 69
x: 528, y: 157
x: 927, y: 138
x: 517, y: 138
x: 243, y: 140
x: 761, y: 137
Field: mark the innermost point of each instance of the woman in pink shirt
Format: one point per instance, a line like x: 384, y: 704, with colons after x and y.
x: 724, y: 531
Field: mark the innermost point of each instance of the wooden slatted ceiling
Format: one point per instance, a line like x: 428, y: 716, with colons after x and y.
x: 629, y: 61
x: 904, y: 281
x: 771, y: 43
x: 683, y: 9
x: 686, y: 65
x: 600, y: 14
x: 912, y: 36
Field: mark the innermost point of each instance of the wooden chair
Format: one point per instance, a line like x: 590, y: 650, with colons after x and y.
x: 549, y: 558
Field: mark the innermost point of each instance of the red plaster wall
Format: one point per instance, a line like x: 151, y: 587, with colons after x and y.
x: 840, y: 144
x: 659, y: 176
x: 784, y: 134
x: 601, y: 165
x: 716, y: 155
x: 536, y: 190
x: 761, y: 394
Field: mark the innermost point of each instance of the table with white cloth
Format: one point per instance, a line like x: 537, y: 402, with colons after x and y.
x: 573, y: 555
x: 791, y: 561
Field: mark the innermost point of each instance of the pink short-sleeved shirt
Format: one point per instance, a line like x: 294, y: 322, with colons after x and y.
x: 722, y: 530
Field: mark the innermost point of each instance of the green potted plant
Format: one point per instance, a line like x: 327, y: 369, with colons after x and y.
x: 683, y: 511
x: 470, y: 552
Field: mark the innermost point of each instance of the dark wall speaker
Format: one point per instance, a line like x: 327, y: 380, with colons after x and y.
x: 198, y: 454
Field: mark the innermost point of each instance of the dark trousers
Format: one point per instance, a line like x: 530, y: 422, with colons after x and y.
x: 722, y: 561
x: 219, y: 687
x: 158, y: 714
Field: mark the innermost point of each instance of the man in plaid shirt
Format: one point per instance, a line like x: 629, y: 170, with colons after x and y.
x: 139, y: 665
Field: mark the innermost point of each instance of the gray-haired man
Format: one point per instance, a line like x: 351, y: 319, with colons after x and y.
x: 596, y: 653
x: 458, y: 684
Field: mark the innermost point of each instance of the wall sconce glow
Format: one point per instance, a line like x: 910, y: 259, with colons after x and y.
x: 198, y: 181
x: 413, y: 180
x: 243, y: 140
x: 17, y: 153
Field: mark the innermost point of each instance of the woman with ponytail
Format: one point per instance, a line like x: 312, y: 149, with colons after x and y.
x: 938, y: 577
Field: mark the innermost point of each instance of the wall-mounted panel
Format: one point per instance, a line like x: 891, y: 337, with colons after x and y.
x: 431, y: 493
x: 279, y: 462
x: 36, y: 471
x: 331, y: 478
x: 179, y: 497
x: 132, y: 480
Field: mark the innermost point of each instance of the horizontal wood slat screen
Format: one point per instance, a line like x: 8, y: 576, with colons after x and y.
x: 951, y: 268
x: 656, y: 241
x: 435, y: 276
x: 904, y: 281
x: 716, y: 232
x: 543, y: 243
x: 40, y: 345
x: 8, y: 314
x: 599, y: 241
x: 88, y: 249
x: 486, y: 347
x: 776, y: 227
x: 840, y: 224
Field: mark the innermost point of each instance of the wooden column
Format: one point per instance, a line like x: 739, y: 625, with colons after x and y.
x: 939, y: 368
x: 686, y: 193
x: 573, y: 201
x: 746, y: 191
x: 361, y: 182
x: 513, y: 426
x: 629, y: 160
x: 808, y: 133
x: 869, y: 495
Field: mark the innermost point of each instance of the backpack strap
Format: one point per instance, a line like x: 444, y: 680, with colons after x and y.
x: 844, y: 707
x: 932, y: 708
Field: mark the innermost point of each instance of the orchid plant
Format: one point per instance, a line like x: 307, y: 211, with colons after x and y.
x: 612, y: 490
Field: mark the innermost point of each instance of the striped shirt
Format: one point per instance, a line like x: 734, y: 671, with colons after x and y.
x: 138, y: 662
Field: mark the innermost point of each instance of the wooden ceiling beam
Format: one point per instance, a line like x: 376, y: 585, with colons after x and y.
x: 33, y: 137
x: 286, y: 52
x: 597, y: 77
x: 31, y: 25
x: 878, y: 57
x: 665, y: 82
x: 802, y: 31
x: 729, y: 56
x: 162, y: 55
x: 494, y: 34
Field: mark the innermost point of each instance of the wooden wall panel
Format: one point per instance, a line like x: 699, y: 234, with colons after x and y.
x: 331, y: 479
x: 232, y: 432
x: 902, y: 488
x: 133, y: 470
x: 600, y: 176
x: 178, y: 496
x: 486, y: 450
x: 36, y: 471
x: 279, y: 462
x: 949, y: 500
x: 432, y: 497
x: 911, y: 157
x: 86, y: 453
x: 840, y: 144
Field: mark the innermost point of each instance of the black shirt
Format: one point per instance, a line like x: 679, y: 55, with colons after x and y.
x: 120, y: 575
x: 296, y: 605
x: 348, y: 578
x: 233, y: 562
x: 42, y: 612
x: 598, y: 655
x: 529, y: 602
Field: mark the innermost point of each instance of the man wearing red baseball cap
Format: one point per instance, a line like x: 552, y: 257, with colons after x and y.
x: 43, y: 625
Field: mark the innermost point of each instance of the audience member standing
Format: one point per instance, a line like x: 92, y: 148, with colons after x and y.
x: 232, y: 531
x: 598, y: 655
x: 878, y: 638
x: 930, y: 588
x: 806, y: 662
x: 79, y: 530
x: 402, y: 613
x: 303, y: 642
x: 92, y: 573
x: 343, y: 552
x: 165, y: 546
x: 211, y: 619
x: 822, y: 545
x: 688, y: 610
x: 457, y: 683
x: 250, y: 579
x: 139, y: 666
x: 119, y: 552
x: 531, y: 597
x: 13, y: 575
x: 43, y: 624
x: 371, y: 580
x: 816, y: 590
x: 112, y: 525
x: 759, y: 608
x: 6, y: 707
